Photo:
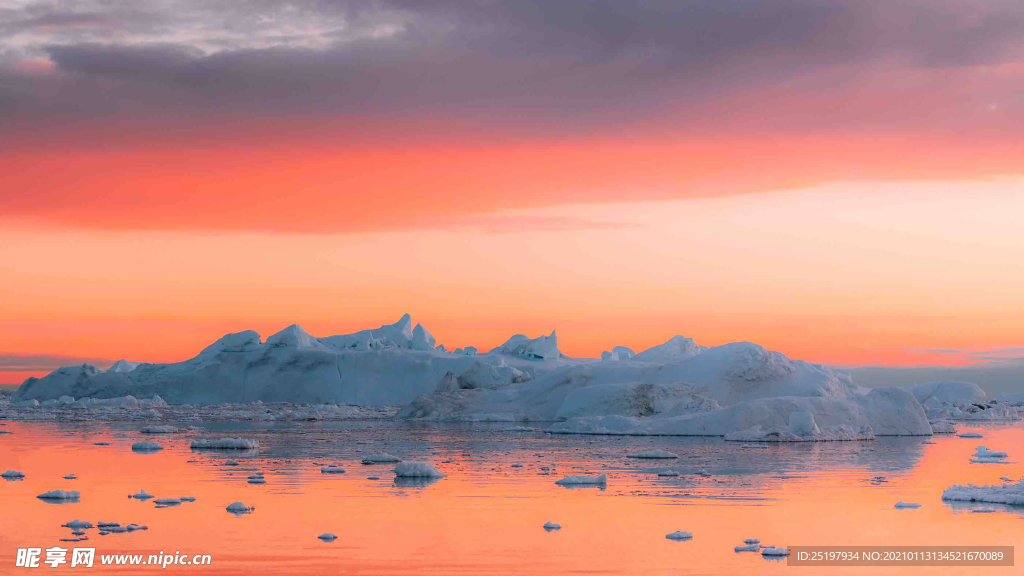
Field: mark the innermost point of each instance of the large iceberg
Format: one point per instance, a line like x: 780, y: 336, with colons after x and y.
x: 739, y: 390
x: 961, y: 401
x: 386, y: 366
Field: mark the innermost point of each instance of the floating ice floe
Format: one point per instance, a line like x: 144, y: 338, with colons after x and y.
x: 983, y: 511
x: 225, y: 444
x: 71, y: 477
x: 328, y: 537
x: 239, y: 508
x: 115, y: 529
x: 971, y: 435
x: 332, y: 470
x: 107, y: 525
x: 159, y: 430
x: 747, y: 548
x: 77, y: 532
x: 59, y: 495
x: 78, y: 524
x: 549, y: 526
x: 373, y: 477
x: 417, y: 470
x: 668, y: 473
x: 13, y: 475
x: 257, y: 480
x: 146, y: 447
x: 601, y: 480
x: 142, y: 495
x: 167, y: 501
x: 101, y: 443
x: 773, y: 551
x: 134, y: 527
x: 901, y: 505
x: 1012, y: 494
x: 983, y: 455
x: 654, y: 455
x: 381, y: 458
x: 231, y: 463
x: 188, y: 498
x: 679, y: 535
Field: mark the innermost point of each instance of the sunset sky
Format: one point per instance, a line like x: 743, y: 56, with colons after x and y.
x: 842, y: 181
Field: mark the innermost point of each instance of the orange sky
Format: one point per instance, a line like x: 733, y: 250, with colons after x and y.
x: 848, y: 273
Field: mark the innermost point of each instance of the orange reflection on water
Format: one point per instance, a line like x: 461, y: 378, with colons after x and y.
x: 486, y: 516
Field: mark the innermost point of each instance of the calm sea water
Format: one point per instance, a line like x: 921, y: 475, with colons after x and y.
x: 486, y: 516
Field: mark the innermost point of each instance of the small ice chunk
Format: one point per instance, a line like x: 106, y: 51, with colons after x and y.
x: 187, y: 498
x: 59, y: 495
x: 417, y: 470
x: 668, y: 473
x: 983, y: 511
x: 373, y: 477
x: 167, y: 501
x: 231, y: 463
x: 146, y: 447
x: 239, y: 508
x: 751, y: 541
x: 381, y: 458
x: 983, y: 455
x: 601, y: 480
x: 332, y: 470
x: 901, y: 505
x: 1012, y: 494
x: 654, y: 455
x: 257, y: 480
x: 747, y: 548
x: 115, y: 529
x: 517, y: 465
x: 13, y: 474
x: 328, y: 537
x: 78, y: 524
x: 78, y: 532
x: 773, y: 551
x: 142, y: 495
x: 101, y: 443
x: 971, y: 435
x: 679, y: 535
x: 106, y: 525
x: 71, y: 477
x: 226, y: 444
x: 158, y: 430
x: 549, y: 526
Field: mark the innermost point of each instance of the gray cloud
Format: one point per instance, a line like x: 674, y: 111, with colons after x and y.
x: 529, y: 65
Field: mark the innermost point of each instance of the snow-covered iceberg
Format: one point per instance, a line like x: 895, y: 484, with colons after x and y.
x: 802, y: 428
x: 882, y: 412
x: 962, y: 401
x: 389, y: 365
